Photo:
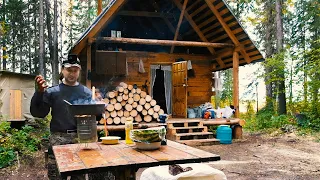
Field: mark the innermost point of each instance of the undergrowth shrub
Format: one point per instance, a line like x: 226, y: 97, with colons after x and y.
x: 23, y: 142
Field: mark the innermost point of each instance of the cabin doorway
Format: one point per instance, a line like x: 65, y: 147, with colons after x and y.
x: 161, y: 86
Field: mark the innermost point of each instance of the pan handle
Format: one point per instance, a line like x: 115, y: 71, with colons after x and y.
x: 67, y: 102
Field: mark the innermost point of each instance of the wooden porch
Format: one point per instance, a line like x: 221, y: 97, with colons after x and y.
x: 189, y: 131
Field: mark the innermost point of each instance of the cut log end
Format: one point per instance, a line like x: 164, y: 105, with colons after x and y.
x: 111, y: 94
x: 147, y: 118
x: 138, y: 90
x: 153, y: 102
x: 155, y: 115
x: 128, y: 107
x: 133, y: 113
x: 124, y: 85
x: 139, y: 108
x: 142, y: 101
x: 134, y: 104
x: 123, y: 120
x: 113, y: 114
x: 126, y: 113
x: 120, y: 89
x: 109, y: 121
x: 148, y: 98
x: 143, y: 94
x: 144, y: 112
x: 150, y: 111
x: 136, y: 97
x: 113, y: 101
x: 138, y: 118
x: 116, y: 120
x: 147, y: 106
x: 110, y: 107
x: 156, y: 108
x: 161, y: 112
x: 117, y: 106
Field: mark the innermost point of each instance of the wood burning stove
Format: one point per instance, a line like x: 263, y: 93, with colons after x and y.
x: 85, y: 117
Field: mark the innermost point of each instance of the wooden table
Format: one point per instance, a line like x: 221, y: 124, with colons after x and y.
x: 122, y: 159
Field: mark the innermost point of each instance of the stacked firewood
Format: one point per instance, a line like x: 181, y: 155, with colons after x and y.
x: 127, y: 101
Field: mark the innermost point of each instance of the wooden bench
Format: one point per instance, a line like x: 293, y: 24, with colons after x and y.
x: 236, y: 122
x: 122, y: 127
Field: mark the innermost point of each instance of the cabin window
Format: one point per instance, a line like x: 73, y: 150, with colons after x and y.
x: 110, y: 63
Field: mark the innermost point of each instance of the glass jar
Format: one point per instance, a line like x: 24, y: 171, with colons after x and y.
x: 128, y: 128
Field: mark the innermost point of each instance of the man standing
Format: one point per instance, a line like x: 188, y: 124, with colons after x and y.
x: 63, y: 128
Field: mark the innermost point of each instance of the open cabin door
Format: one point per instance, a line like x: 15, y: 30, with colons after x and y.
x: 15, y: 105
x: 179, y: 86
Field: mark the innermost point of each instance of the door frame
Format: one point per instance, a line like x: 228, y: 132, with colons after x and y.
x: 149, y: 74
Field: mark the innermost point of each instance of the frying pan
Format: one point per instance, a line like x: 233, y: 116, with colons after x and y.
x: 85, y: 109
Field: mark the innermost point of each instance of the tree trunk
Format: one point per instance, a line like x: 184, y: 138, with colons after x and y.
x: 48, y: 23
x: 4, y: 54
x: 20, y: 56
x: 269, y: 51
x: 61, y: 30
x: 89, y: 14
x: 35, y: 44
x: 29, y: 41
x: 55, y: 62
x: 41, y: 42
x: 14, y: 48
x: 280, y: 37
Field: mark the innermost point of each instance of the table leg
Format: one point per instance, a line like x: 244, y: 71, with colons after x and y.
x: 125, y: 174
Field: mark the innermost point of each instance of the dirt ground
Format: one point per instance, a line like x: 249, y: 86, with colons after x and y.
x: 264, y: 157
x: 255, y: 157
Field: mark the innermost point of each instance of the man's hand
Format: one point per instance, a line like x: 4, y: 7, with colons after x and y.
x: 40, y: 84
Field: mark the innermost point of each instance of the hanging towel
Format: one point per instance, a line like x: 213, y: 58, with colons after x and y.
x: 189, y: 65
x: 127, y: 68
x: 141, y: 67
x: 217, y: 82
x: 190, y: 70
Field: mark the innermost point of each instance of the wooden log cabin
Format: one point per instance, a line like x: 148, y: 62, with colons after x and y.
x: 162, y: 36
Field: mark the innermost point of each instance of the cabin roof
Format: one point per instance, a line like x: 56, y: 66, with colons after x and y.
x: 204, y: 21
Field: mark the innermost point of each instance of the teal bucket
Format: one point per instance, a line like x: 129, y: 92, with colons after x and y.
x: 224, y: 134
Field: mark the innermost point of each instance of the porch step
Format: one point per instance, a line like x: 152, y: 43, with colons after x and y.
x: 184, y: 123
x: 200, y: 142
x: 195, y: 135
x: 171, y: 121
x: 190, y: 129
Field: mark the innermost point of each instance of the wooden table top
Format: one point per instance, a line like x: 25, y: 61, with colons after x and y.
x: 74, y: 159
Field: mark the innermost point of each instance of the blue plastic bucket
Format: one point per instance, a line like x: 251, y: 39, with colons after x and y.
x: 224, y: 134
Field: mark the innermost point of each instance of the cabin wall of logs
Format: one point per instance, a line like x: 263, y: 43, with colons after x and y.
x: 127, y: 101
x: 199, y: 87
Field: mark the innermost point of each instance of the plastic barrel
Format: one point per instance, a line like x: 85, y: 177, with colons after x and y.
x: 224, y: 134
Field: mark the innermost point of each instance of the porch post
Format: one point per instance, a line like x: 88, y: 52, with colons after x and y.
x: 88, y: 73
x: 236, y: 82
